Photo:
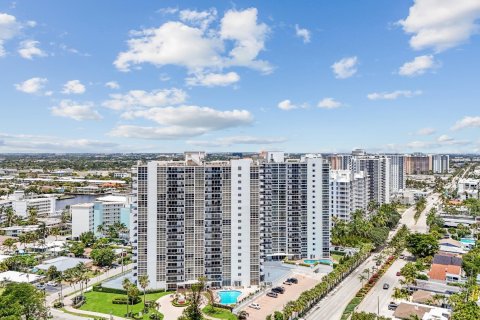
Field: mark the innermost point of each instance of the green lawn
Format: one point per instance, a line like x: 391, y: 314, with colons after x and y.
x: 102, y: 302
x: 219, y: 313
x: 336, y: 257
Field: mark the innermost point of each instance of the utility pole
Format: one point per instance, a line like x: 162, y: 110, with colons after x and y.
x: 378, y: 306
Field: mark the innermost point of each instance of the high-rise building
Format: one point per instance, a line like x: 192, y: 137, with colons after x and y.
x: 397, y: 172
x: 377, y: 170
x: 222, y: 219
x: 340, y: 161
x: 440, y: 163
x: 418, y: 163
x: 348, y: 193
x: 295, y: 206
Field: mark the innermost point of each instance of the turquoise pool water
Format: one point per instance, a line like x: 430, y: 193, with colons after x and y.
x: 312, y: 261
x: 467, y: 240
x: 229, y: 296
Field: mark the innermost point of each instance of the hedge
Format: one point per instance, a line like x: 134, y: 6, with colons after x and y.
x: 125, y: 300
x: 99, y: 288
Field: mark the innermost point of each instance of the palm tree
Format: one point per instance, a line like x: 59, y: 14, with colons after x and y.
x: 32, y: 215
x: 362, y: 278
x: 10, y: 217
x: 55, y: 232
x: 144, y: 282
x: 243, y: 315
x: 101, y: 228
x: 126, y: 284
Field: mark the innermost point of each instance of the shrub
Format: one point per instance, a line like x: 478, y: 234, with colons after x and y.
x: 125, y: 300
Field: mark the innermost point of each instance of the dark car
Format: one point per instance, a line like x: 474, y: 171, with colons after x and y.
x: 386, y: 286
x: 272, y: 294
x: 292, y: 280
x: 278, y: 290
x: 399, y: 273
x: 392, y: 306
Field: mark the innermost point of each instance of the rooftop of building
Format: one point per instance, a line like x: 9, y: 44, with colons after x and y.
x: 15, y: 276
x: 62, y: 263
x: 440, y: 271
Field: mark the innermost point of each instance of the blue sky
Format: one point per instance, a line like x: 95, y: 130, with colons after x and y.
x: 298, y: 76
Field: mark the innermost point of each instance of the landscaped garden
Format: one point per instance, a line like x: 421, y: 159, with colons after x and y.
x: 102, y: 302
x: 218, y: 313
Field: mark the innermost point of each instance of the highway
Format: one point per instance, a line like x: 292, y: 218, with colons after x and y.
x: 332, y: 306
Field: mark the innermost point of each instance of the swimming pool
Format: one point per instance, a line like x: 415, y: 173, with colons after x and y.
x: 322, y: 261
x: 229, y: 296
x: 467, y: 240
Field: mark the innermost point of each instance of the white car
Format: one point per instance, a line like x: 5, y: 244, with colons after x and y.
x: 52, y: 283
x: 254, y: 306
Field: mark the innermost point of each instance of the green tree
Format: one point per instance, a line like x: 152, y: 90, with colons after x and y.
x: 144, y: 282
x: 52, y: 273
x: 22, y: 301
x: 471, y: 262
x: 9, y: 243
x: 193, y: 311
x: 87, y: 238
x: 103, y: 256
x: 277, y: 315
x: 32, y: 215
x: 126, y: 283
x: 77, y: 248
x: 422, y: 245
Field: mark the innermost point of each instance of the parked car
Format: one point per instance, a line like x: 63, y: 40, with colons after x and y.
x: 386, y: 286
x: 52, y: 283
x: 254, y: 306
x: 288, y: 283
x: 399, y: 273
x: 279, y: 290
x: 40, y: 286
x: 293, y: 280
x: 392, y: 306
x: 272, y: 294
x: 402, y: 256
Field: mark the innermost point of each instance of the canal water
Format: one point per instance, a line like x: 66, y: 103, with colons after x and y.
x: 83, y: 198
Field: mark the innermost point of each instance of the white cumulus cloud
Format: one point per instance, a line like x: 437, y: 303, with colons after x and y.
x: 182, y: 121
x: 135, y: 99
x: 288, y: 105
x: 393, y: 95
x: 467, y: 122
x: 9, y: 28
x: 73, y: 87
x: 76, y: 110
x: 198, y: 18
x: 441, y: 24
x: 112, y: 85
x: 425, y: 131
x: 302, y: 33
x: 213, y: 79
x: 32, y: 85
x: 29, y: 49
x: 329, y: 103
x: 192, y: 44
x: 345, y: 68
x: 418, y: 66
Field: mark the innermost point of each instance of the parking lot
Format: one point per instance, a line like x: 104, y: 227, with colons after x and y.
x: 268, y: 305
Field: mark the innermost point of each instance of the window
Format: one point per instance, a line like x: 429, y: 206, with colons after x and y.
x: 239, y: 188
x: 239, y: 175
x: 239, y: 194
x: 239, y: 168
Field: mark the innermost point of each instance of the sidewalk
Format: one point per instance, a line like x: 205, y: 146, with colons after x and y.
x: 67, y: 290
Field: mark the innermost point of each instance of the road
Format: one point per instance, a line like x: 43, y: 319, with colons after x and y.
x: 332, y: 306
x: 379, y: 298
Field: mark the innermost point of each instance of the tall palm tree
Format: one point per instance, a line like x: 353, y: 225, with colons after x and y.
x: 126, y: 283
x: 32, y: 215
x: 362, y: 278
x: 144, y: 282
x: 10, y: 216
